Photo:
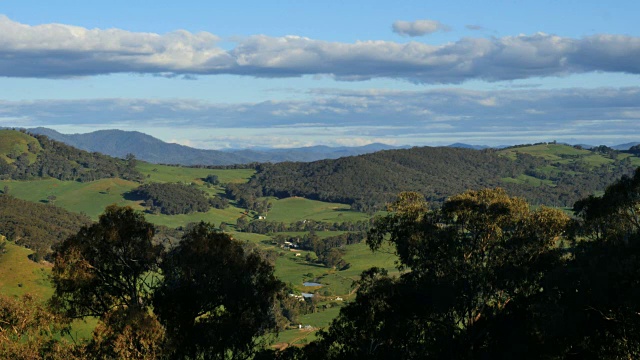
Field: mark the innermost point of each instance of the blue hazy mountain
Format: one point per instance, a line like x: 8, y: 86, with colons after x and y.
x: 119, y: 143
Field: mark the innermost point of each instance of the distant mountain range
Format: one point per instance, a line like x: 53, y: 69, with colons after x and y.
x: 119, y: 143
x: 626, y: 146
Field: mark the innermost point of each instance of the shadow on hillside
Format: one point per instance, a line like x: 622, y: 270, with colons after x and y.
x: 132, y: 196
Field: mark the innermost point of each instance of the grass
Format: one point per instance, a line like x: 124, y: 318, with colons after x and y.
x: 560, y: 153
x: 294, y: 269
x: 214, y: 216
x: 16, y: 142
x: 553, y: 152
x: 317, y: 320
x: 165, y: 173
x: 528, y: 180
x: 290, y: 210
x: 320, y: 234
x: 90, y: 198
x: 19, y: 275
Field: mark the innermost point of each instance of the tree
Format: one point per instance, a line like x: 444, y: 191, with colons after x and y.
x: 28, y: 330
x: 216, y: 300
x: 470, y: 261
x: 132, y: 162
x: 212, y: 179
x: 592, y: 309
x: 107, y: 270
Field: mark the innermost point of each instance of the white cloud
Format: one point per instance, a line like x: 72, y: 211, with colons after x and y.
x: 418, y: 27
x: 58, y: 50
x: 403, y: 117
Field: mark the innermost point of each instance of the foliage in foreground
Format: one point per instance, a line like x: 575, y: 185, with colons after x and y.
x: 212, y: 299
x: 28, y: 331
x: 487, y: 282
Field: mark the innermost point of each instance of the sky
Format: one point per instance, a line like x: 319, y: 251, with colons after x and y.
x: 299, y: 73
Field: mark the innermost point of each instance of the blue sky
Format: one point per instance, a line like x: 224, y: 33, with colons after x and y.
x: 300, y: 73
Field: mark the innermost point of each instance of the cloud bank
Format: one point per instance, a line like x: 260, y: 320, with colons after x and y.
x: 596, y: 116
x: 58, y: 50
x: 418, y: 27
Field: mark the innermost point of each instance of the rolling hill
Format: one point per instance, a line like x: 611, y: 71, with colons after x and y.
x: 545, y: 174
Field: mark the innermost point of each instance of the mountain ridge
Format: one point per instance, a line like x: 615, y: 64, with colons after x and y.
x: 119, y: 143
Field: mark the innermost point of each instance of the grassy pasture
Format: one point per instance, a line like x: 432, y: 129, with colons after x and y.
x: 295, y: 269
x: 165, y: 173
x: 320, y: 234
x: 528, y: 180
x: 317, y: 320
x: 294, y: 209
x: 19, y: 275
x: 562, y: 154
x: 214, y: 216
x: 90, y: 198
x: 553, y: 152
x: 15, y: 142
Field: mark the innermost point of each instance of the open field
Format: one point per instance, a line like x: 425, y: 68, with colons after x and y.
x: 316, y: 321
x: 166, y: 173
x: 529, y: 180
x: 566, y: 154
x: 90, y: 198
x: 294, y: 209
x: 295, y: 269
x: 553, y: 152
x: 214, y: 216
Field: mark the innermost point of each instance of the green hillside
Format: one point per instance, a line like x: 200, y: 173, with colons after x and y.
x: 19, y: 275
x: 551, y: 174
x: 14, y: 143
x: 26, y: 157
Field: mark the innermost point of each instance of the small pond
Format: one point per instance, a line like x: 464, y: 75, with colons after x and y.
x: 307, y: 295
x: 308, y: 283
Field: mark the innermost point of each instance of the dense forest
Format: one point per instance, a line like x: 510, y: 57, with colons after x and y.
x: 37, y: 226
x: 368, y: 182
x: 43, y: 157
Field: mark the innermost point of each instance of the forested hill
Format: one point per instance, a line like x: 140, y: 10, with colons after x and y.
x: 37, y: 226
x: 369, y: 181
x: 23, y: 157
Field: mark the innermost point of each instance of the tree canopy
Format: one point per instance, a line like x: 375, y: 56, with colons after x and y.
x: 208, y: 297
x: 467, y: 262
x: 216, y: 299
